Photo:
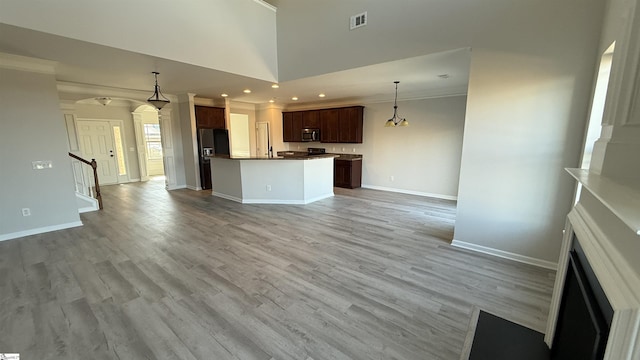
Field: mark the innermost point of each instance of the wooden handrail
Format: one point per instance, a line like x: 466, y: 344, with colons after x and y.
x: 80, y: 159
x: 94, y: 165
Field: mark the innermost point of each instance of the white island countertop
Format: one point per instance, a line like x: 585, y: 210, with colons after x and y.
x: 299, y: 180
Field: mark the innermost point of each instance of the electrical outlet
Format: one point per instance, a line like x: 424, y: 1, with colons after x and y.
x: 392, y: 178
x: 268, y: 187
x: 343, y: 149
x: 354, y: 149
x: 26, y: 212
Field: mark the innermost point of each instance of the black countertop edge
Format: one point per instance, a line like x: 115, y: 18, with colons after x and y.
x: 294, y: 157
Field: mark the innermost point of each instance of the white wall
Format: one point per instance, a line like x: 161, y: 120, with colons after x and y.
x: 531, y: 77
x: 235, y: 36
x: 32, y: 128
x: 423, y: 158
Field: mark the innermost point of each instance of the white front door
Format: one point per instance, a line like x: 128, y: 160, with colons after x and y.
x: 96, y: 142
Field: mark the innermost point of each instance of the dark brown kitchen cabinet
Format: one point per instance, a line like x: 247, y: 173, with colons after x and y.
x: 311, y: 119
x: 329, y: 125
x: 350, y: 125
x: 292, y: 126
x: 338, y: 125
x: 209, y: 117
x: 347, y: 173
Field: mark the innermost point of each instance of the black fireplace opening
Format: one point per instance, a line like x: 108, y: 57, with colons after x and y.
x: 585, y: 315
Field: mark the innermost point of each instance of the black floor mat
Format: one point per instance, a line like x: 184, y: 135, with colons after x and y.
x: 500, y: 339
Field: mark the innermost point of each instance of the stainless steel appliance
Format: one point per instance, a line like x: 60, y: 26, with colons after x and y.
x: 310, y: 134
x: 315, y: 151
x: 210, y: 142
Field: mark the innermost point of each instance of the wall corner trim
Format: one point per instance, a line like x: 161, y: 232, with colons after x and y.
x: 505, y: 254
x: 39, y: 230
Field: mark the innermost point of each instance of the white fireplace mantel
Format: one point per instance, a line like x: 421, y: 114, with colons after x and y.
x: 621, y: 197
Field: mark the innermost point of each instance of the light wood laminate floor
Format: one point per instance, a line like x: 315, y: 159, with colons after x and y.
x: 184, y: 275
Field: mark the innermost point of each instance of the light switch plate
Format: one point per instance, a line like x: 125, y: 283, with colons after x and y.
x: 42, y: 164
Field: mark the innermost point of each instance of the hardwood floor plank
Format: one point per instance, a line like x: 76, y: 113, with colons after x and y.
x: 154, y: 332
x: 122, y: 338
x: 120, y: 289
x: 141, y: 282
x: 185, y: 275
x: 92, y: 286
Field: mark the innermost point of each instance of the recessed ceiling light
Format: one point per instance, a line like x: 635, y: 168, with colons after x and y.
x: 246, y: 91
x: 295, y: 98
x: 272, y: 101
x: 321, y: 95
x: 275, y: 86
x: 224, y: 95
x: 444, y: 76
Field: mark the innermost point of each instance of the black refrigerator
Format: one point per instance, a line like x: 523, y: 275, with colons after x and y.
x: 210, y: 142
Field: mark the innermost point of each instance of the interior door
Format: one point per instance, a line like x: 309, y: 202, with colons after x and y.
x: 96, y: 142
x: 262, y: 139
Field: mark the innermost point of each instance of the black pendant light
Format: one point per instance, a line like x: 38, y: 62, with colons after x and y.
x: 396, y: 120
x: 157, y: 99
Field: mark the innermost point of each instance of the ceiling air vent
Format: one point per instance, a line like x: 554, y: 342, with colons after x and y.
x: 358, y: 21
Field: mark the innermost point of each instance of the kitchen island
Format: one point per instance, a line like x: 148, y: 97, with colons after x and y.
x: 291, y: 180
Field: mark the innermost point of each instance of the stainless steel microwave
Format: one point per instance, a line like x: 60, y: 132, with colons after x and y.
x: 310, y: 134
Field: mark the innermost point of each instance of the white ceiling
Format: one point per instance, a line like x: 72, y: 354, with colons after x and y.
x: 87, y: 63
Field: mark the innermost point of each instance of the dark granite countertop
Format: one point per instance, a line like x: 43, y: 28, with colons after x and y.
x: 349, y: 157
x: 292, y: 157
x: 303, y: 154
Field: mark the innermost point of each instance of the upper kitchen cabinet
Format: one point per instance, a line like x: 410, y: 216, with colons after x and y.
x: 350, y: 125
x: 329, y: 125
x: 292, y: 126
x: 209, y: 117
x: 311, y: 119
x: 338, y: 125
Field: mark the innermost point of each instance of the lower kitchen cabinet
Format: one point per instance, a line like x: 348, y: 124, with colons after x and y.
x: 347, y: 173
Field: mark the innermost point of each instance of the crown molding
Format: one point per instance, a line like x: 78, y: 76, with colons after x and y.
x: 362, y: 100
x: 95, y: 90
x: 241, y: 105
x: 269, y: 106
x: 24, y: 63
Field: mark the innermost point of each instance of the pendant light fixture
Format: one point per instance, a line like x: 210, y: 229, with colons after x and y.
x: 157, y: 99
x: 396, y: 120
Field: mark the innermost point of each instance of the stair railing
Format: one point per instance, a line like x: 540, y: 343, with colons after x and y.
x: 83, y: 181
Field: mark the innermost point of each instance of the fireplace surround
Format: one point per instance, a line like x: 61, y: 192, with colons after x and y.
x: 606, y: 225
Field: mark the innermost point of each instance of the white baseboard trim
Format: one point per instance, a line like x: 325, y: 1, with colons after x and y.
x: 410, y: 192
x: 87, y: 209
x: 40, y: 230
x: 195, y: 188
x: 225, y: 196
x: 134, y: 180
x: 271, y: 201
x: 176, y: 187
x: 505, y: 255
